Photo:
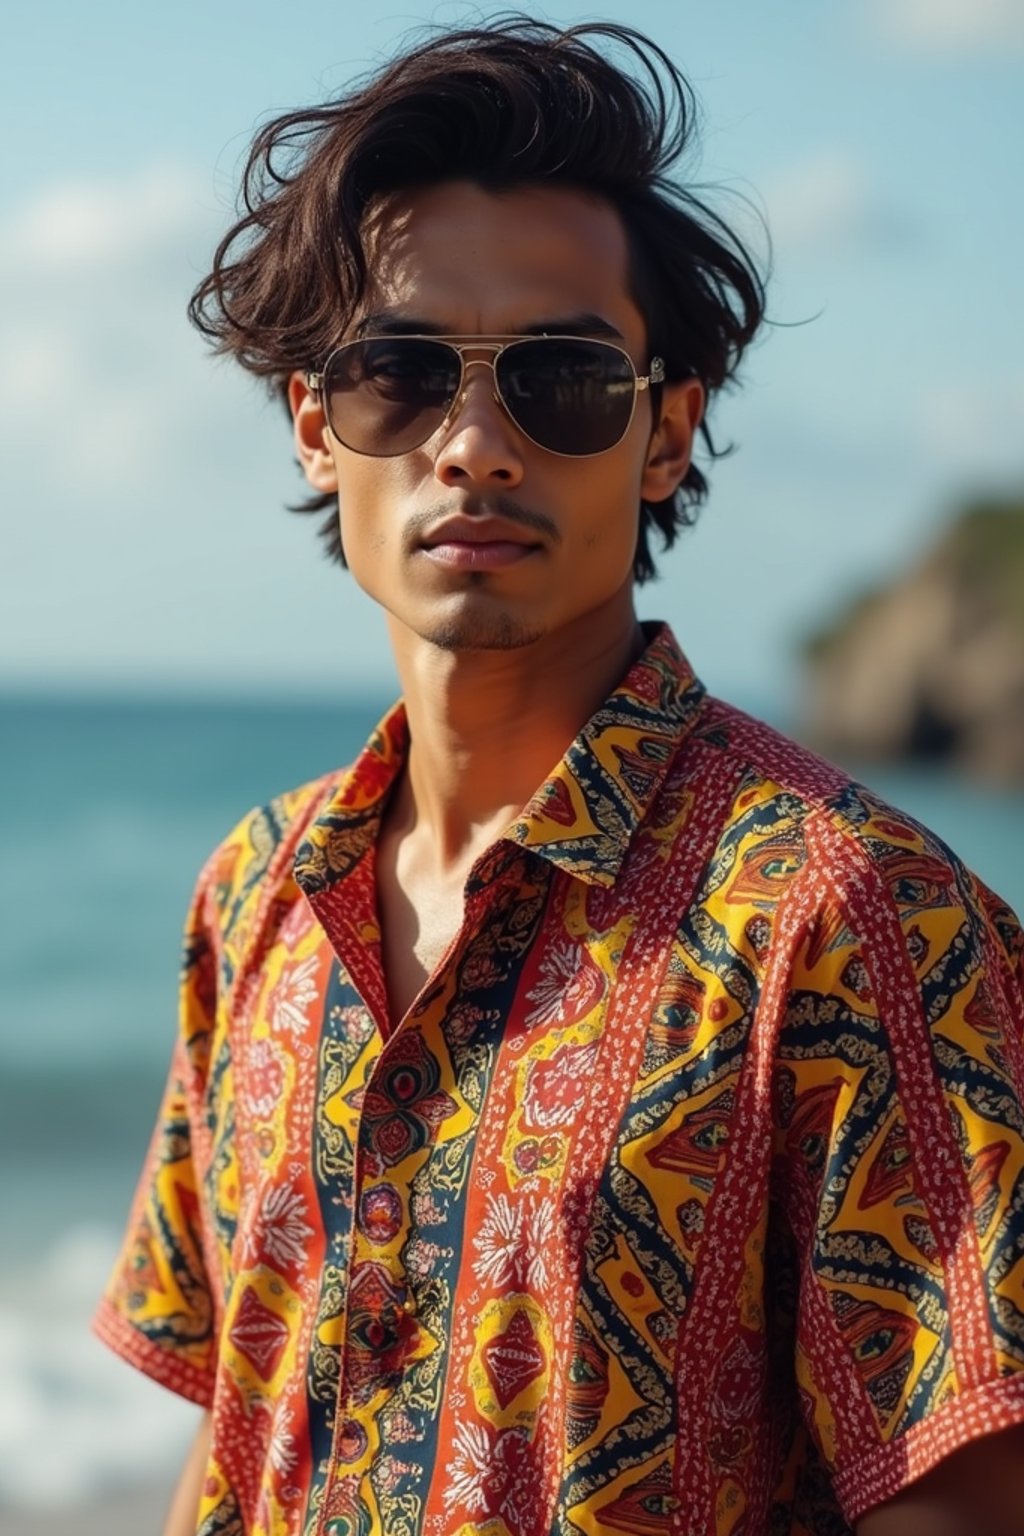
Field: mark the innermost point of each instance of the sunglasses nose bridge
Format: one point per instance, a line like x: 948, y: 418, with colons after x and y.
x: 477, y: 362
x: 467, y: 364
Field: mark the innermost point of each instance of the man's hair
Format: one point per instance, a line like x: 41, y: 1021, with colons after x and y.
x: 513, y: 103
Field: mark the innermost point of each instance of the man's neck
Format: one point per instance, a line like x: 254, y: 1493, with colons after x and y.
x: 487, y: 727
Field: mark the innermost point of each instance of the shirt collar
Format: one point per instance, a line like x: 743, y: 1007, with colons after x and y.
x: 581, y: 819
x: 585, y: 813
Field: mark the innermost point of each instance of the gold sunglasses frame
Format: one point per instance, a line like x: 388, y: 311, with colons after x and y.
x: 496, y: 345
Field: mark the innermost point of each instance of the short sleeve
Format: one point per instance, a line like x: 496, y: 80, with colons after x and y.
x: 158, y: 1311
x: 900, y: 1158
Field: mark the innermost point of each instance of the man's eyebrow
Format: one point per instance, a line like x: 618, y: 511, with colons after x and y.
x: 387, y: 323
x: 584, y: 324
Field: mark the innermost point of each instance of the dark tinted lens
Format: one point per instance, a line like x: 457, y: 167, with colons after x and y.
x: 387, y: 396
x: 573, y: 397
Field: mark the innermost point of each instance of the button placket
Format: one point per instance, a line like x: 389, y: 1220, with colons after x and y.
x: 389, y: 1293
x: 380, y: 1314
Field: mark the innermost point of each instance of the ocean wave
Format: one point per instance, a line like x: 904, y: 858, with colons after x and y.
x: 75, y: 1422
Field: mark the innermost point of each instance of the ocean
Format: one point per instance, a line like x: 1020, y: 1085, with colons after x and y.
x: 107, y: 809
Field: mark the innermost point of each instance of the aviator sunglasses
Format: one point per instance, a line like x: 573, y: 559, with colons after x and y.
x: 385, y: 395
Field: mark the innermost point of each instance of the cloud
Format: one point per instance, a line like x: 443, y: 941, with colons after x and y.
x: 143, y: 484
x: 941, y: 26
x: 827, y: 203
x: 80, y: 225
x: 972, y: 429
x: 98, y: 359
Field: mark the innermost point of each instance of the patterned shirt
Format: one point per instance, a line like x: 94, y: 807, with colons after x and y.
x: 687, y: 1198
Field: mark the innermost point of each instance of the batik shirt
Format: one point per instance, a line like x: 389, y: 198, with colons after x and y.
x: 688, y: 1197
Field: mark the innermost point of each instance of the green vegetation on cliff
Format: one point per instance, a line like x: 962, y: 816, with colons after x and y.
x: 981, y: 553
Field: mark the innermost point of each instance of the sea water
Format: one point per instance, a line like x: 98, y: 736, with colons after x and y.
x: 107, y: 810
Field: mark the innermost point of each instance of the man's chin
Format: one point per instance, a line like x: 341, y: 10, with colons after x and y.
x: 479, y: 632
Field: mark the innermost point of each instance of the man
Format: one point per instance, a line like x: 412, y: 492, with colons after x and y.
x: 590, y: 1112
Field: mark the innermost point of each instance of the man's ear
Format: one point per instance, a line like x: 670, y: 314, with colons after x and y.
x: 311, y: 437
x: 671, y: 446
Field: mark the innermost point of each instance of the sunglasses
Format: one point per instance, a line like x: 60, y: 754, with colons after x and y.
x: 386, y: 395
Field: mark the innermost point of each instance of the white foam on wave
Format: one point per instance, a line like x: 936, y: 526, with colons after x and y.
x: 75, y: 1421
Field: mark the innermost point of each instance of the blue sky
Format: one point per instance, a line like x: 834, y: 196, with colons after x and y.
x: 141, y: 485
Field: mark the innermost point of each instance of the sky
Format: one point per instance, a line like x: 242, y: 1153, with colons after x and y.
x: 143, y: 545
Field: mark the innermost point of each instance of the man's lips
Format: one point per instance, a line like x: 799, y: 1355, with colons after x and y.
x: 484, y: 555
x: 478, y: 544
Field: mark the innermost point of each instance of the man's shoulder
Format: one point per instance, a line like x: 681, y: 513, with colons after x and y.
x: 248, y: 866
x: 773, y: 771
x: 831, y: 824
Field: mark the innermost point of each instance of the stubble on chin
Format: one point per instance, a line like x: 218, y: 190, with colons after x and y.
x: 501, y: 631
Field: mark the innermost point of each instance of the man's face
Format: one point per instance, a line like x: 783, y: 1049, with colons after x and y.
x: 558, y: 534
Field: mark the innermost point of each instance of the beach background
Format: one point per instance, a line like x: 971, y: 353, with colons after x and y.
x: 173, y: 650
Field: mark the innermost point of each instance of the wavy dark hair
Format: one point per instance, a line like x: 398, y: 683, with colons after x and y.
x: 596, y: 107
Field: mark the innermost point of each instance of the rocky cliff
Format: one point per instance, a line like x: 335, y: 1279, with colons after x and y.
x: 931, y: 665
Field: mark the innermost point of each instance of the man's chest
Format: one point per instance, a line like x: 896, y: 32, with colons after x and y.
x: 419, y: 922
x: 549, y: 1042
x: 507, y: 1191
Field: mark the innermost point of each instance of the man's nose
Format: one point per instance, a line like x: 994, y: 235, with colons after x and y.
x: 480, y: 443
